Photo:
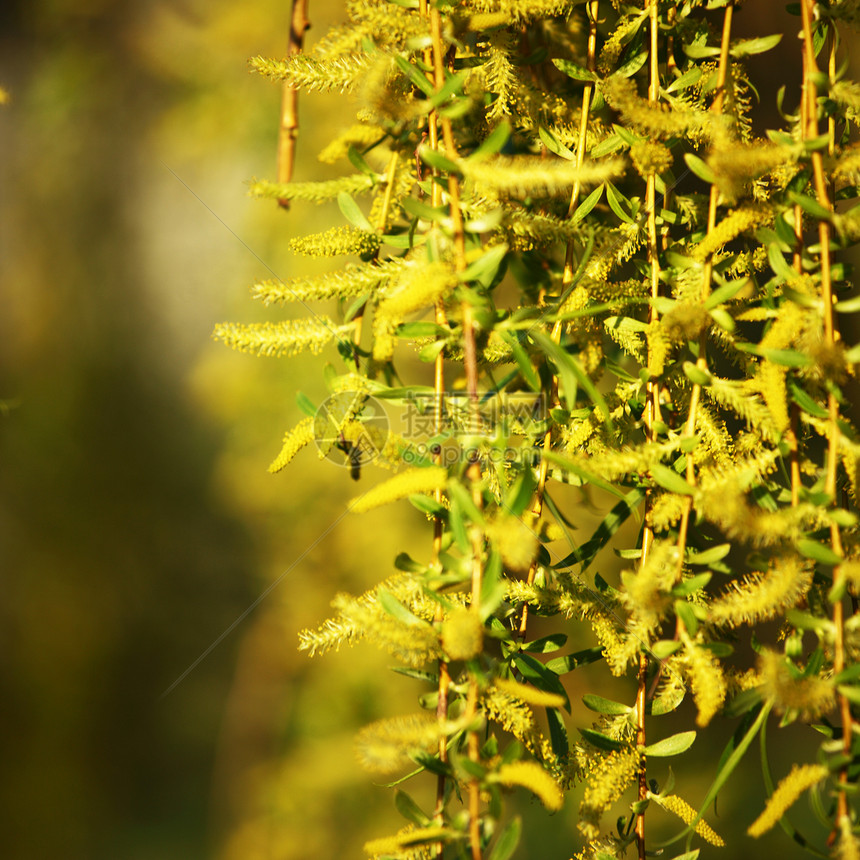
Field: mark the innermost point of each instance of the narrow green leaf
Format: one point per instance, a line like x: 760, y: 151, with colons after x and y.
x: 818, y: 552
x: 810, y: 206
x: 523, y: 360
x: 685, y: 612
x: 485, y: 268
x: 452, y: 85
x: 418, y: 78
x: 434, y: 158
x: 395, y: 608
x: 587, y: 205
x: 546, y: 644
x: 670, y: 480
x: 349, y: 209
x: 494, y: 143
x: 605, y: 706
x: 554, y: 145
x: 699, y: 167
x: 356, y: 159
x: 674, y: 745
x: 694, y: 583
x: 709, y: 556
x: 805, y: 401
x: 686, y: 80
x: 424, y: 211
x: 748, y: 47
x: 557, y: 733
x: 542, y: 677
x: 305, y: 404
x: 409, y: 809
x: 602, y: 741
x: 572, y: 70
x: 570, y: 662
x: 508, y: 841
x: 614, y: 199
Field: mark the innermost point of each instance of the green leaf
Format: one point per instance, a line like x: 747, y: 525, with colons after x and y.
x: 818, y: 552
x: 628, y: 69
x: 305, y: 404
x: 554, y: 145
x: 748, y: 47
x: 541, y: 676
x: 572, y: 70
x: 421, y: 329
x: 699, y: 167
x: 508, y: 841
x: 709, y: 556
x: 557, y: 733
x: 810, y: 206
x: 686, y: 80
x: 422, y: 210
x: 434, y: 158
x: 409, y: 809
x: 356, y: 159
x: 418, y: 78
x: 569, y: 369
x: 805, y: 401
x: 614, y: 198
x: 688, y: 586
x: 670, y: 480
x: 395, y: 608
x: 607, y: 146
x: 523, y: 360
x: 570, y: 662
x: 546, y: 644
x: 452, y: 85
x: 586, y: 553
x: 700, y: 52
x: 485, y: 268
x: 685, y: 612
x: 587, y: 205
x: 785, y: 357
x: 602, y: 741
x: 494, y: 142
x: 349, y: 209
x: 605, y: 706
x: 665, y: 648
x: 674, y: 745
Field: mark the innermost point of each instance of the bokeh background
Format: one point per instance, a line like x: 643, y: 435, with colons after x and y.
x: 153, y: 703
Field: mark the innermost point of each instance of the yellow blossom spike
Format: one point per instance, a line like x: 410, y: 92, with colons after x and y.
x: 532, y: 776
x: 296, y: 439
x: 687, y: 814
x: 405, y: 484
x: 799, y: 779
x: 530, y: 695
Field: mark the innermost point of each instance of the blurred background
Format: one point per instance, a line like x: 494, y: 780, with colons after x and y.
x: 153, y: 703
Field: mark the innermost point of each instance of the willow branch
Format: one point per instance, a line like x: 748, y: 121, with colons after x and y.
x: 289, y: 127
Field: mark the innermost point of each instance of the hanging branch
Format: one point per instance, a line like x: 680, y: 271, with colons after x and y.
x: 289, y: 127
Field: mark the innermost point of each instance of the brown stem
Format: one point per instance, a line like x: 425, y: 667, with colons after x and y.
x: 289, y: 127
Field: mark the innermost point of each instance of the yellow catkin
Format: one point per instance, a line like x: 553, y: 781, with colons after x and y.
x: 686, y: 813
x: 532, y: 776
x: 296, y: 439
x: 706, y: 679
x: 799, y: 779
x: 530, y: 695
x: 406, y: 483
x: 741, y: 220
x: 385, y: 746
x: 410, y: 836
x: 517, y: 543
x: 462, y: 634
x: 276, y: 340
x: 811, y: 696
x: 606, y: 783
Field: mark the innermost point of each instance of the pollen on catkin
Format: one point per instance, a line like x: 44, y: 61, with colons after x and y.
x: 812, y: 696
x: 296, y: 439
x: 406, y: 483
x: 277, y: 340
x: 462, y: 634
x: 606, y: 783
x: 406, y: 838
x: 335, y: 242
x: 386, y: 745
x: 529, y: 695
x: 687, y: 814
x: 799, y: 779
x: 532, y: 776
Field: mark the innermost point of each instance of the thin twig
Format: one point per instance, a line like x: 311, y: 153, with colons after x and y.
x: 289, y: 128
